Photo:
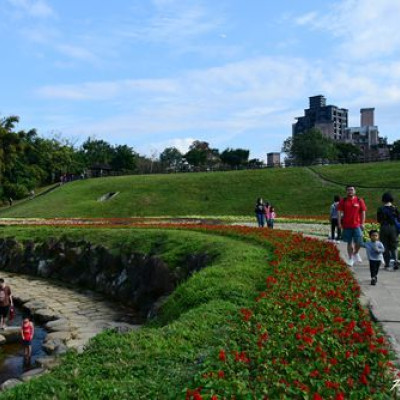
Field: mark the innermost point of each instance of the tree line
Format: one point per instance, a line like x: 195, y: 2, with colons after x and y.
x: 28, y: 161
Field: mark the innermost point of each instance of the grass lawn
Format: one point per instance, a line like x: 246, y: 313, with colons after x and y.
x: 385, y: 175
x: 294, y: 191
x: 275, y: 315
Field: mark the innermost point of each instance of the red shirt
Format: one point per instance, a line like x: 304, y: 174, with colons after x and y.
x: 351, y: 207
x: 27, y: 331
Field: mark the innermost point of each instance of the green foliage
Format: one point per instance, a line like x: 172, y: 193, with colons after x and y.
x: 308, y: 147
x: 347, y: 152
x: 395, y: 150
x: 171, y: 157
x: 235, y: 157
x: 157, y: 361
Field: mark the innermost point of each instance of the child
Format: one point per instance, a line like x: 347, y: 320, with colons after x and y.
x: 27, y: 332
x: 271, y: 217
x: 334, y: 219
x: 375, y: 251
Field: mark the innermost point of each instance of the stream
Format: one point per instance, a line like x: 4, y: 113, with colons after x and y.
x: 11, y: 355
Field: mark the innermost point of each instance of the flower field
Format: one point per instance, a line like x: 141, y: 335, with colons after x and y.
x: 306, y: 335
x: 289, y: 327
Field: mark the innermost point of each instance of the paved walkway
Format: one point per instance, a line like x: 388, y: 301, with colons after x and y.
x: 382, y: 299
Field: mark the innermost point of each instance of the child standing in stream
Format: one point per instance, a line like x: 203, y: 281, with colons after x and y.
x: 27, y: 333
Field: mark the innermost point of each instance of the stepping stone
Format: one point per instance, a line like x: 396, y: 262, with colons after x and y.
x: 47, y: 362
x: 10, y: 383
x: 45, y: 315
x: 26, y: 376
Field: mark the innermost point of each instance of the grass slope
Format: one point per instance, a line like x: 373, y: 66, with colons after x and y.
x: 157, y: 361
x: 294, y: 191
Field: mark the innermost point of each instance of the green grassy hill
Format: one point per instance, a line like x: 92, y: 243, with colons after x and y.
x: 294, y: 191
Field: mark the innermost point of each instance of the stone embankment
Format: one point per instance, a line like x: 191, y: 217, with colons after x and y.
x: 71, y: 318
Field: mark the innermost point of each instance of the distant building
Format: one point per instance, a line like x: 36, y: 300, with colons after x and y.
x: 330, y: 120
x: 366, y: 136
x: 273, y: 159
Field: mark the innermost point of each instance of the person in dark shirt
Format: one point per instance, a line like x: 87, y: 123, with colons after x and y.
x: 388, y: 232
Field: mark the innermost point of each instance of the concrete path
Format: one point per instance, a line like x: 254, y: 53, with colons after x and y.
x: 383, y: 299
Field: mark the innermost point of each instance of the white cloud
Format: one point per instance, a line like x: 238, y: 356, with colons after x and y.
x: 368, y: 29
x: 33, y: 8
x: 306, y: 18
x: 76, y: 52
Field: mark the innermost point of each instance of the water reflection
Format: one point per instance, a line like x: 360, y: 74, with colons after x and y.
x: 12, y: 363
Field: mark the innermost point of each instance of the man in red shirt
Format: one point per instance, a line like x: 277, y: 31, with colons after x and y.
x: 352, y: 218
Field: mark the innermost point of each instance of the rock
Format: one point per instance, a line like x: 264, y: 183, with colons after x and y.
x: 35, y: 305
x: 45, y: 315
x: 10, y: 383
x: 2, y: 339
x: 22, y: 297
x: 12, y: 334
x: 63, y: 336
x: 26, y: 376
x: 50, y: 345
x: 60, y: 349
x: 58, y: 322
x: 47, y: 362
x: 77, y: 344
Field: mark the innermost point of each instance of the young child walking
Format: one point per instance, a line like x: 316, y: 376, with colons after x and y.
x: 27, y: 333
x: 375, y: 250
x: 271, y: 215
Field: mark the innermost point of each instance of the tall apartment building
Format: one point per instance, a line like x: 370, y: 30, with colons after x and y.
x: 330, y: 120
x: 366, y: 135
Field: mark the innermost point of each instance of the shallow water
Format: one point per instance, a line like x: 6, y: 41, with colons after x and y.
x: 11, y: 355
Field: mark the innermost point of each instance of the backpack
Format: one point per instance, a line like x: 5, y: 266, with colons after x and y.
x: 393, y: 218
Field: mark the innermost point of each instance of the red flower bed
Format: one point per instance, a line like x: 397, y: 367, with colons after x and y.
x: 306, y: 335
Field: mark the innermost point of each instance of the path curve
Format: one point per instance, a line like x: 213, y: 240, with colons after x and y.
x: 341, y: 184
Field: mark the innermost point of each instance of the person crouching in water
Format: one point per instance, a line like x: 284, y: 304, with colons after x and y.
x: 27, y: 333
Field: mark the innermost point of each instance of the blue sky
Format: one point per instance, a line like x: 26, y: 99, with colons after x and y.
x: 160, y: 73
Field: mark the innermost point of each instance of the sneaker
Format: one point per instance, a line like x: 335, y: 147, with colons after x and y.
x: 350, y: 262
x: 357, y: 258
x: 373, y: 281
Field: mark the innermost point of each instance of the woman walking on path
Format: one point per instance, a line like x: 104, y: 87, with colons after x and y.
x: 260, y: 212
x: 388, y: 232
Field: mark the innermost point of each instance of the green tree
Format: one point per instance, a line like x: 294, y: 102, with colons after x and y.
x: 171, y: 157
x: 200, y: 154
x: 347, y: 152
x: 235, y: 157
x: 306, y: 148
x: 395, y: 150
x: 124, y: 158
x: 97, y: 152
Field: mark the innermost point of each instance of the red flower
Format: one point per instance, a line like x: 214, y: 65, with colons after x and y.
x: 350, y: 382
x: 367, y: 369
x: 222, y: 355
x: 317, y: 397
x: 339, y: 396
x: 363, y: 379
x: 314, y: 374
x: 246, y: 314
x: 221, y: 374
